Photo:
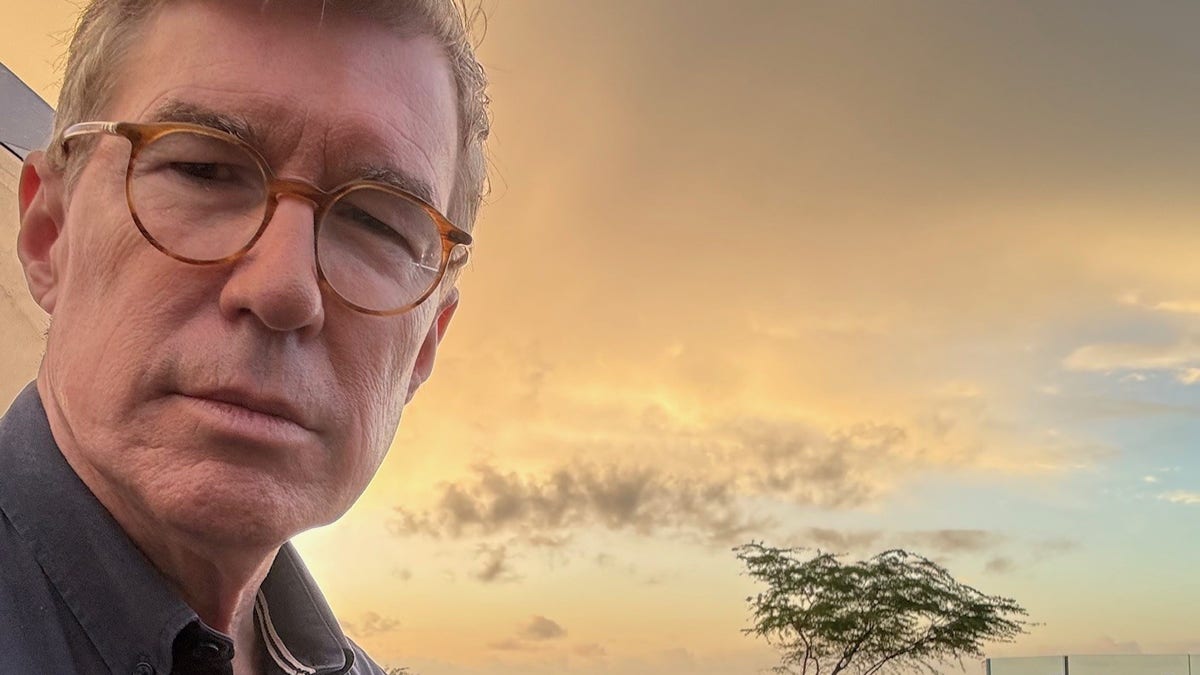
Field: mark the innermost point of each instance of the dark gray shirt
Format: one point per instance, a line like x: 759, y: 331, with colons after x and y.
x: 77, y: 596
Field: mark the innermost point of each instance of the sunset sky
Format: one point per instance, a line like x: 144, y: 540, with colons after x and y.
x: 831, y: 274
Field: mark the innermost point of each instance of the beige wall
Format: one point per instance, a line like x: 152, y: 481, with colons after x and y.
x: 22, y: 323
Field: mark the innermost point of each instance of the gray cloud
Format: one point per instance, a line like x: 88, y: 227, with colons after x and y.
x: 708, y: 499
x: 530, y: 634
x: 494, y: 565
x: 539, y: 628
x: 644, y: 500
x: 1056, y: 546
x: 838, y: 542
x: 999, y: 565
x: 509, y: 645
x: 955, y: 541
x: 590, y: 650
x: 371, y: 624
x: 837, y: 471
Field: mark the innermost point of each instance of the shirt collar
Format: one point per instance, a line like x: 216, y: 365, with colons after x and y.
x: 299, y: 630
x: 119, y: 598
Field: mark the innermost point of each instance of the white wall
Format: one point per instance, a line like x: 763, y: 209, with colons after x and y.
x: 1156, y: 664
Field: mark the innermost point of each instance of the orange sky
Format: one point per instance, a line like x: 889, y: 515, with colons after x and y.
x: 819, y: 273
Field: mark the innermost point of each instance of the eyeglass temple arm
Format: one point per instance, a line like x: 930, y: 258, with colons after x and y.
x: 85, y: 128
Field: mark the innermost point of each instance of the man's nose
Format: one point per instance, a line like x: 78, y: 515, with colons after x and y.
x: 276, y: 280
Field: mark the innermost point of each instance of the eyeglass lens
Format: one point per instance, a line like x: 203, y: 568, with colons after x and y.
x: 204, y: 198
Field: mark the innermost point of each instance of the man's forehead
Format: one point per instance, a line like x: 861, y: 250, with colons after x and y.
x: 358, y: 98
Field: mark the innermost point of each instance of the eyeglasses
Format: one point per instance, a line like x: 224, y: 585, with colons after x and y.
x: 204, y: 197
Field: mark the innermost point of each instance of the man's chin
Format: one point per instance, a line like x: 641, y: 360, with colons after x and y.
x: 234, y: 508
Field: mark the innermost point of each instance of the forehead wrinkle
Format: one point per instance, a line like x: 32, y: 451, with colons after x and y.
x: 268, y: 125
x: 390, y: 157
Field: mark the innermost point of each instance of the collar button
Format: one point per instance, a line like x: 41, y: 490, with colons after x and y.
x: 207, y: 651
x: 143, y: 668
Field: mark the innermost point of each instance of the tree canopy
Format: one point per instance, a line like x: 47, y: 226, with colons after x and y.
x: 894, y: 612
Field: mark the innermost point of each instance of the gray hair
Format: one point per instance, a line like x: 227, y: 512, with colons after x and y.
x: 108, y: 28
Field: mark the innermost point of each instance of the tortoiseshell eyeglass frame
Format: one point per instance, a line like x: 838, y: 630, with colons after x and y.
x: 141, y: 135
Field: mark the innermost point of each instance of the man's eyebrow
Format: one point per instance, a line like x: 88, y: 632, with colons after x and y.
x: 192, y: 113
x: 411, y: 184
x: 182, y: 111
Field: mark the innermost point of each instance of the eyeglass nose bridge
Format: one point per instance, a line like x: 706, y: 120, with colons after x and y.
x: 294, y: 187
x: 278, y: 188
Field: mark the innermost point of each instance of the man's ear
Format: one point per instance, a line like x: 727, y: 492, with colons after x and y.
x: 424, y: 366
x: 40, y: 199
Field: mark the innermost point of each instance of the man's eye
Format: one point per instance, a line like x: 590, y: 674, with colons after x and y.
x: 375, y: 226
x: 207, y: 171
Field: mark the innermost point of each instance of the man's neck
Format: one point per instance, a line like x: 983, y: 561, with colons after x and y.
x: 220, y: 588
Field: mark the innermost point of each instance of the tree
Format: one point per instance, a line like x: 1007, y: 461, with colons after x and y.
x: 895, y: 612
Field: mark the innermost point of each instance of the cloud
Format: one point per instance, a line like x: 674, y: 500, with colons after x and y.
x: 590, y: 650
x: 1055, y: 546
x: 1188, y: 376
x: 644, y: 500
x: 1181, y: 497
x: 1134, y: 299
x: 955, y: 541
x: 946, y: 541
x: 1149, y: 479
x: 999, y: 565
x: 494, y: 565
x: 1133, y: 356
x: 371, y: 624
x: 1107, y: 645
x: 509, y: 645
x: 705, y: 483
x: 838, y: 542
x: 539, y: 628
x: 531, y: 634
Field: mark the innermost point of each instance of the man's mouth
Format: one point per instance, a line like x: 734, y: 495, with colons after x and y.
x: 255, y: 402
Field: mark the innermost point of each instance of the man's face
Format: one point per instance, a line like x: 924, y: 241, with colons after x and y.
x: 157, y: 367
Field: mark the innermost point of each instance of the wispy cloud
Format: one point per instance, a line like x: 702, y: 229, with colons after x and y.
x: 1135, y: 356
x: 494, y: 565
x: 644, y: 500
x: 540, y: 628
x: 537, y: 631
x: 726, y: 469
x: 1176, y: 306
x: 1181, y: 497
x: 370, y: 625
x: 999, y: 565
x: 837, y: 541
x: 590, y: 650
x: 956, y: 541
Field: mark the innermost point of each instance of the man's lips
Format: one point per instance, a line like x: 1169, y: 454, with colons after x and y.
x: 275, y: 406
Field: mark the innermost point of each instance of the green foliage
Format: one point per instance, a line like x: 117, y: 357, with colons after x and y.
x: 895, y: 612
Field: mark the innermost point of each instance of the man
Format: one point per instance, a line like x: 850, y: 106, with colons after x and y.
x: 237, y: 232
